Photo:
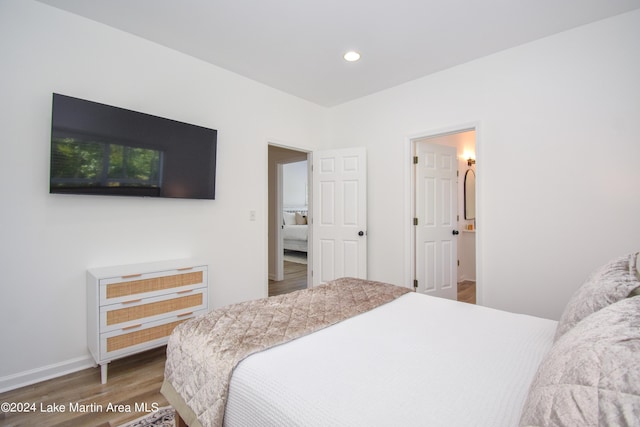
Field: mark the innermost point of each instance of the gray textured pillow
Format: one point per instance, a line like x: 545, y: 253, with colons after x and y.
x: 610, y: 283
x: 591, y: 376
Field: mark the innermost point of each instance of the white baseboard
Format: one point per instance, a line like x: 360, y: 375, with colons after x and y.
x: 21, y: 379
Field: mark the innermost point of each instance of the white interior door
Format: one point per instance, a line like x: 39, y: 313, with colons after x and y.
x: 339, y: 218
x: 436, y: 217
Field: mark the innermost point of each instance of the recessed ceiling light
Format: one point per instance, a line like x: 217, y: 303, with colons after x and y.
x: 351, y: 56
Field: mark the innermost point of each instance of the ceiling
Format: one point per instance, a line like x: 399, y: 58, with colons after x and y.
x: 296, y: 46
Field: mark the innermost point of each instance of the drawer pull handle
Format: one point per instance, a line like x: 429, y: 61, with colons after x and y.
x: 132, y: 275
x: 185, y: 292
x: 185, y: 314
x: 132, y: 301
x: 185, y: 268
x: 132, y: 327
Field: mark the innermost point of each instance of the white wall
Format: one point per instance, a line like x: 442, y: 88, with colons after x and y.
x: 294, y: 183
x: 48, y: 241
x: 557, y: 156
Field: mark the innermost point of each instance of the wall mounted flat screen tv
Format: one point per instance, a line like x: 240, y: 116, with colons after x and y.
x: 103, y: 150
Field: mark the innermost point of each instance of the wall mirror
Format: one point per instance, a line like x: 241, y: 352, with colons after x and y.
x: 470, y: 194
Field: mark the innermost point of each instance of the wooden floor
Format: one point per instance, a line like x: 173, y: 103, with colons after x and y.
x: 132, y: 380
x: 295, y: 278
x: 467, y: 292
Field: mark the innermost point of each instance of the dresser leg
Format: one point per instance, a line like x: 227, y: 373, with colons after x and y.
x: 103, y: 373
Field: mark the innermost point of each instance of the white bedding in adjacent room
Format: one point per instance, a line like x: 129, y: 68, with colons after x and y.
x: 295, y: 232
x: 416, y: 361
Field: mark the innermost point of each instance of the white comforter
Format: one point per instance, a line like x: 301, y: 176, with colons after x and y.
x: 295, y: 232
x: 416, y: 361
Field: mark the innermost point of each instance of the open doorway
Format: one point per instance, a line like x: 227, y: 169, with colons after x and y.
x: 434, y: 265
x: 289, y: 236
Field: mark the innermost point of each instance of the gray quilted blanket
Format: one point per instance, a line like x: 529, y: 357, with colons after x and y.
x: 203, y: 352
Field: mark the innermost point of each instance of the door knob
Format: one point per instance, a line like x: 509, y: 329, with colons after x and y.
x: 456, y: 232
x: 360, y: 233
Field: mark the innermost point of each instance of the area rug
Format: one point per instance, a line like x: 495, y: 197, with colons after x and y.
x: 163, y: 417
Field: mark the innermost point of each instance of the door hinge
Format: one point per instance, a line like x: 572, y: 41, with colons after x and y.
x: 415, y: 221
x: 457, y: 217
x: 458, y: 263
x: 415, y: 283
x: 415, y: 160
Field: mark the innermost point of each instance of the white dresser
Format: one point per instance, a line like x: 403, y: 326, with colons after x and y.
x: 133, y: 308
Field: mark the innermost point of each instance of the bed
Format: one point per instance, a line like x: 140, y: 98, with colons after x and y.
x: 295, y: 230
x: 412, y: 360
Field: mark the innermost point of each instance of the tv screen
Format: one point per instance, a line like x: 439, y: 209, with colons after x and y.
x: 105, y: 150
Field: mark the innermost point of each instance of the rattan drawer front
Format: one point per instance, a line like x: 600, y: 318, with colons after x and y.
x: 136, y: 287
x: 142, y: 336
x: 153, y: 309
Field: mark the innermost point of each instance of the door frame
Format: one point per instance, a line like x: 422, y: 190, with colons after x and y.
x: 409, y: 208
x: 279, y: 270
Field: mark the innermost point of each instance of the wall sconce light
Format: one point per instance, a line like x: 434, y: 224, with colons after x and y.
x: 470, y: 157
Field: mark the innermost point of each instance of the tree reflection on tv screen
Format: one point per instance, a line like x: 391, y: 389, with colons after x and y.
x: 80, y: 163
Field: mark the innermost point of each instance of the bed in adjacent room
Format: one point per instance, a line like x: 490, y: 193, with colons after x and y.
x: 295, y: 230
x: 362, y: 353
